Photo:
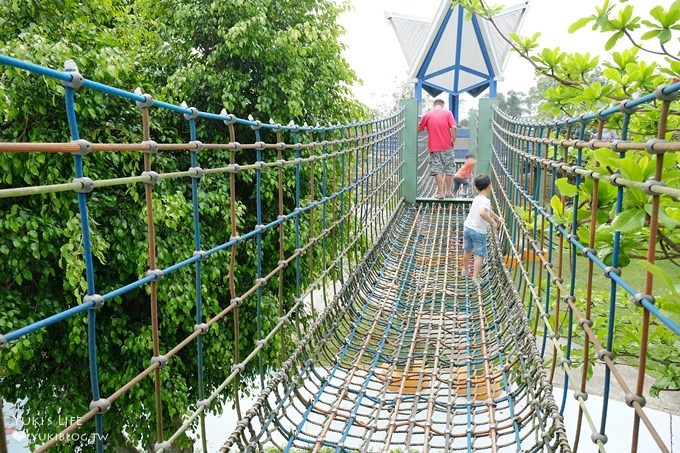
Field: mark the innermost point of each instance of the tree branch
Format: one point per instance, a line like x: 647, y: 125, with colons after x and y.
x: 525, y: 56
x: 632, y: 41
x: 670, y: 55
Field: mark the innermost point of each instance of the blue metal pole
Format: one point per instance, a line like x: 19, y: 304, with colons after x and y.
x: 454, y: 105
x: 492, y: 88
x: 419, y: 95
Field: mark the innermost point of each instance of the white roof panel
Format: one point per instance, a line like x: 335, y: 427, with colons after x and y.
x: 467, y: 81
x: 411, y: 33
x: 443, y: 80
x: 508, y: 21
x: 471, y: 52
x: 445, y: 54
x: 438, y: 40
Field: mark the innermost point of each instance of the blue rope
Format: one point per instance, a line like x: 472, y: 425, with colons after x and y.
x: 298, y: 270
x: 89, y: 271
x: 258, y: 208
x: 551, y: 234
x: 324, y: 213
x: 342, y: 204
x: 572, y: 285
x: 613, y: 288
x: 198, y: 274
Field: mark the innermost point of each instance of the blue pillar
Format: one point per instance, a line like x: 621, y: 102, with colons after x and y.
x: 492, y: 89
x: 419, y: 96
x: 454, y: 104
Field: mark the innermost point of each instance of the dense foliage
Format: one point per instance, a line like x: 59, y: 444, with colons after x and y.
x: 272, y: 59
x: 643, y: 55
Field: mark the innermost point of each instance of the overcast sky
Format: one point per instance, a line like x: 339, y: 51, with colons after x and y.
x: 374, y: 52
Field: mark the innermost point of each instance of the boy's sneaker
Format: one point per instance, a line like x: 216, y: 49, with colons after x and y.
x: 464, y: 273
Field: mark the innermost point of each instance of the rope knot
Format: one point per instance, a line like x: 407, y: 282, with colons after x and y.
x: 196, y: 172
x: 648, y: 186
x: 96, y: 300
x: 102, y: 405
x: 609, y: 270
x: 201, y: 253
x: 639, y: 298
x: 161, y: 360
x: 151, y: 146
x: 197, y: 144
x: 202, y: 328
x: 632, y: 398
x: 146, y: 103
x: 162, y: 446
x: 86, y: 185
x: 157, y: 273
x: 153, y: 177
x: 84, y: 145
x: 192, y: 115
x: 77, y: 79
x: 663, y: 96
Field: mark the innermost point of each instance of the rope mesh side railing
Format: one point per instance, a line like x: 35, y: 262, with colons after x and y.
x: 545, y: 228
x: 412, y: 355
x: 336, y: 215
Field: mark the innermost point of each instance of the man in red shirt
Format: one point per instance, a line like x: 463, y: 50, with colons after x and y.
x: 441, y: 135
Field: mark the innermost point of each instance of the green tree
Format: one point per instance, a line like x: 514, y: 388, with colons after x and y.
x: 575, y: 83
x: 512, y: 103
x: 278, y: 60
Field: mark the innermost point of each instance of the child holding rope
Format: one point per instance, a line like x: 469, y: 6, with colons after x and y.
x: 476, y: 225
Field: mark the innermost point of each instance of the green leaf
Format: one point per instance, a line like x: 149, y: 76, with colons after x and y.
x: 658, y: 13
x: 611, y: 42
x: 650, y: 34
x: 659, y: 273
x: 665, y: 36
x: 557, y: 206
x: 629, y: 220
x: 566, y: 188
x: 580, y: 23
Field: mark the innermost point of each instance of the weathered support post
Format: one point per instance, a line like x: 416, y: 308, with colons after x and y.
x: 484, y: 135
x: 409, y: 152
x: 473, y: 119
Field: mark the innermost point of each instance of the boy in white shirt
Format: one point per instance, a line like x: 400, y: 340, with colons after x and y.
x: 476, y: 226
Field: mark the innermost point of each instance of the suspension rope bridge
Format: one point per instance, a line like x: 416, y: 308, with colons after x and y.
x: 406, y: 353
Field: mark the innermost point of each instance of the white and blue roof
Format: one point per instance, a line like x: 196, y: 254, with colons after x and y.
x: 454, y: 54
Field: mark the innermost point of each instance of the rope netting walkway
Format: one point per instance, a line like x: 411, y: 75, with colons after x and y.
x: 407, y: 353
x: 410, y: 354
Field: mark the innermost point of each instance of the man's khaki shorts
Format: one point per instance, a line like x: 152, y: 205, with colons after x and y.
x: 442, y: 162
